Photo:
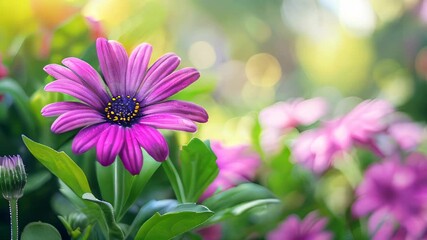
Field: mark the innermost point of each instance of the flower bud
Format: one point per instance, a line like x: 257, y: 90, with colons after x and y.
x: 12, y: 177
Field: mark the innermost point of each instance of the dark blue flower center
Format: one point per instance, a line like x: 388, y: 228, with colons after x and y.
x: 122, y: 110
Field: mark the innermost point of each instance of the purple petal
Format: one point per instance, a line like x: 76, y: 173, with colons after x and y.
x: 61, y: 72
x: 172, y: 84
x: 113, y: 62
x: 131, y: 154
x: 89, y: 77
x: 109, y: 144
x: 179, y: 108
x: 76, y: 119
x: 137, y: 66
x: 76, y: 90
x: 152, y: 141
x: 164, y: 66
x: 168, y: 121
x: 58, y: 108
x: 87, y: 138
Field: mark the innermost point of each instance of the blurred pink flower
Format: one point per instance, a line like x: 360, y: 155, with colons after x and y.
x: 317, y: 149
x: 310, y: 228
x: 277, y: 119
x: 408, y: 135
x: 394, y: 196
x: 96, y: 28
x: 3, y: 70
x: 3, y: 73
x: 213, y: 232
x: 236, y: 164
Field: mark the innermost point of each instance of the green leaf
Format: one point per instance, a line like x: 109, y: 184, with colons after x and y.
x: 115, y: 231
x: 11, y: 87
x: 180, y: 220
x: 146, y: 211
x: 61, y: 165
x: 139, y: 181
x: 236, y: 201
x: 198, y: 168
x: 174, y: 179
x: 130, y: 186
x: 40, y: 231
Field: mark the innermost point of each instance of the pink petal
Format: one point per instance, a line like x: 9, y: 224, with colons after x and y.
x: 88, y: 137
x: 168, y: 121
x: 131, y: 154
x: 164, y: 66
x: 61, y: 72
x: 152, y: 141
x: 179, y: 108
x: 58, y: 108
x: 310, y: 110
x: 113, y: 61
x: 137, y: 66
x: 109, y: 144
x: 76, y: 119
x: 76, y: 90
x: 89, y: 77
x: 172, y: 84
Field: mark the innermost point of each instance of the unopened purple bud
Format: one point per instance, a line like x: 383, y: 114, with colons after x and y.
x: 12, y: 177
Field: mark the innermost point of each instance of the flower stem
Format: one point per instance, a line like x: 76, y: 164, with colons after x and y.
x: 13, y: 210
x: 175, y: 180
x: 118, y: 188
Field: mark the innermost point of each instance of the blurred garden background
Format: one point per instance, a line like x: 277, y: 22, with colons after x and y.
x: 250, y: 53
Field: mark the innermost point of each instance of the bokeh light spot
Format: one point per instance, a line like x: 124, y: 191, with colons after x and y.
x: 202, y: 55
x: 263, y: 70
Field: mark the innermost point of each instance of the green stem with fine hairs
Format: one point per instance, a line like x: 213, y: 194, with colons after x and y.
x: 13, y: 210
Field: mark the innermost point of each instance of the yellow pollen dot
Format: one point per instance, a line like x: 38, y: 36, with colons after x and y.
x: 128, y: 96
x: 114, y: 99
x: 112, y: 112
x: 115, y: 118
x: 109, y: 104
x: 118, y: 96
x: 134, y: 99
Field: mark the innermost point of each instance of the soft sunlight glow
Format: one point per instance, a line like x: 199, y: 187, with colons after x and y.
x: 263, y: 70
x: 357, y: 16
x: 202, y: 55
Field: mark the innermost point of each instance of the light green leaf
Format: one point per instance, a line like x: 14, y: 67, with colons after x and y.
x: 236, y: 201
x: 180, y: 220
x: 198, y: 168
x: 115, y: 232
x: 61, y: 165
x: 40, y: 231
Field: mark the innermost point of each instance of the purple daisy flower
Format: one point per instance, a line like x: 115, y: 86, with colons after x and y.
x: 394, y: 196
x: 121, y: 112
x: 310, y: 228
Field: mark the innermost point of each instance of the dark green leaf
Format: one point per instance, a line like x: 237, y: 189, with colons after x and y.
x: 130, y: 186
x: 61, y: 165
x: 115, y: 231
x: 198, y: 168
x: 138, y: 182
x: 9, y: 86
x: 148, y: 210
x: 40, y: 231
x: 180, y: 220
